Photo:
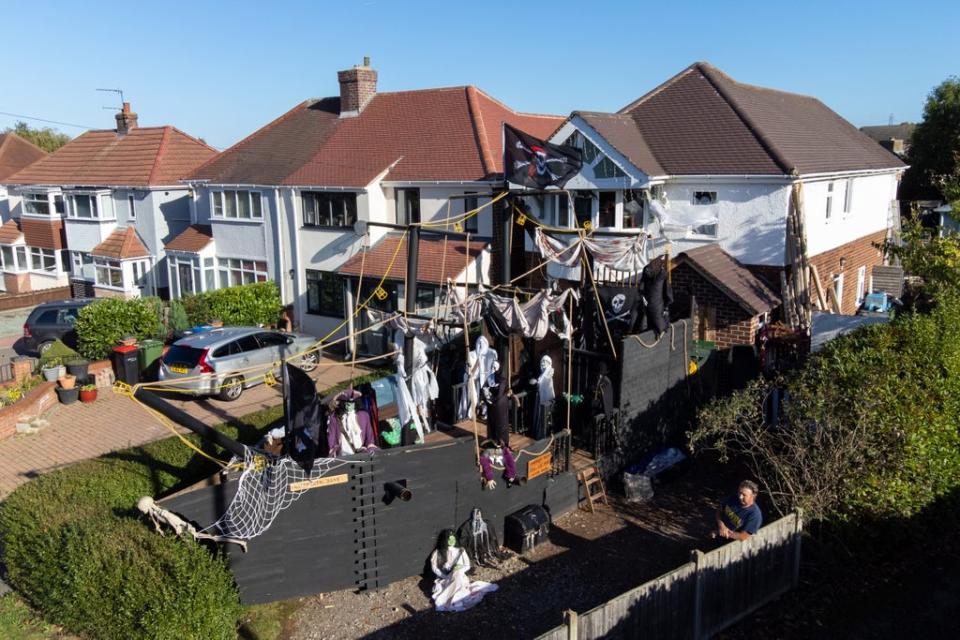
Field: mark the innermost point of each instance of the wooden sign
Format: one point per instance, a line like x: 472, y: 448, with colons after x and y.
x: 303, y: 485
x: 539, y: 465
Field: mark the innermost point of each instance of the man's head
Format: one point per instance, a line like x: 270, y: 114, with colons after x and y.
x: 747, y: 493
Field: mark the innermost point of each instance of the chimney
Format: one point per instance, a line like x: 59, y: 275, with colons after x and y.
x: 357, y: 88
x: 126, y: 120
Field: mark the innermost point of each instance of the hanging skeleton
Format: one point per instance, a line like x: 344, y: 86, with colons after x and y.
x: 158, y: 515
x: 479, y: 539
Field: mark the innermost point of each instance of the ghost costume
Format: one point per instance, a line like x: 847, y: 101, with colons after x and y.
x: 545, y: 398
x: 406, y: 407
x: 423, y: 382
x: 452, y: 589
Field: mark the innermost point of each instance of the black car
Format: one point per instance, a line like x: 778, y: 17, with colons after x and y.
x: 52, y: 321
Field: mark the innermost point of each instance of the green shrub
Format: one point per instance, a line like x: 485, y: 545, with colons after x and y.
x: 177, y: 319
x: 245, y: 305
x: 78, y: 550
x: 101, y: 324
x: 57, y: 354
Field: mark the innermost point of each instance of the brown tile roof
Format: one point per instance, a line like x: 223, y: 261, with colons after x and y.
x: 433, y: 134
x: 10, y: 232
x: 429, y: 259
x: 122, y: 243
x: 193, y: 239
x: 47, y: 234
x: 621, y: 132
x: 701, y: 121
x: 16, y: 154
x: 721, y: 269
x: 145, y: 156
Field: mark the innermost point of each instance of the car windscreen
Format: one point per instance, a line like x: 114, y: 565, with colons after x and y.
x: 186, y: 356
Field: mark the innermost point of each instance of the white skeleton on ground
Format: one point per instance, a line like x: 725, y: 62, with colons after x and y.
x: 158, y: 515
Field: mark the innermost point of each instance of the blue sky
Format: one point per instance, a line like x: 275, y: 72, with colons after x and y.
x: 221, y: 70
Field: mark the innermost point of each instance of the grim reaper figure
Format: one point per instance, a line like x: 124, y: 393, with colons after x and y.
x: 479, y: 539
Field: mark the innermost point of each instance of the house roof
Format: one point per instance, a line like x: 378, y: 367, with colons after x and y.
x: 702, y: 121
x: 447, y: 134
x: 728, y: 275
x: 192, y: 239
x: 143, y: 157
x: 122, y: 243
x: 430, y: 259
x: 10, y: 232
x: 16, y: 154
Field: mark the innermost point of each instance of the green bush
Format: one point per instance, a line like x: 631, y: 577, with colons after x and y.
x: 101, y: 324
x: 78, y: 550
x: 57, y: 354
x: 177, y: 319
x: 245, y: 305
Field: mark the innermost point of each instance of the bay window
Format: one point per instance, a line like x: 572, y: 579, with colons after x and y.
x: 43, y: 259
x: 235, y: 271
x: 237, y: 204
x: 42, y: 204
x: 323, y: 209
x: 108, y: 272
x: 14, y: 257
x: 84, y: 206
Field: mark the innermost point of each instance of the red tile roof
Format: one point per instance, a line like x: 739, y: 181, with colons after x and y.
x: 145, y: 156
x: 16, y: 154
x: 10, y: 232
x: 701, y: 121
x: 193, y: 239
x: 720, y: 268
x: 429, y: 259
x: 122, y: 243
x: 47, y: 234
x: 448, y: 134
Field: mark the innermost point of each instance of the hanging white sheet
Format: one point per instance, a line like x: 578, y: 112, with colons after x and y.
x: 679, y: 221
x: 619, y: 254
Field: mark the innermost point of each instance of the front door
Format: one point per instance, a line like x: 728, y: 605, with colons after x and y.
x: 185, y: 278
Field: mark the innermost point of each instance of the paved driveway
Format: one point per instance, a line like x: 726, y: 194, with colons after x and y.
x: 80, y: 431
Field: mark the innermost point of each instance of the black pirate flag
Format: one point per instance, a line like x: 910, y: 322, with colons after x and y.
x: 619, y: 308
x: 537, y: 164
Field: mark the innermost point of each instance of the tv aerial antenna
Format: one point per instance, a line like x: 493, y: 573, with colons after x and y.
x: 117, y: 91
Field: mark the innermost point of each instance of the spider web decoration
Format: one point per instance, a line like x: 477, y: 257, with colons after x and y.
x: 267, y: 486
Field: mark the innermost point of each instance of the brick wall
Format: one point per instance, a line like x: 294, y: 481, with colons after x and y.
x: 38, y: 400
x: 357, y: 88
x: 855, y: 254
x: 32, y: 298
x: 17, y: 283
x: 734, y: 325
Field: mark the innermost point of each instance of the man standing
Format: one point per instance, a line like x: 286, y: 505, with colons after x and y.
x: 739, y: 517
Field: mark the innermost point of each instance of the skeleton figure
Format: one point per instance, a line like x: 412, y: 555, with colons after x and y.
x: 480, y: 541
x: 158, y: 515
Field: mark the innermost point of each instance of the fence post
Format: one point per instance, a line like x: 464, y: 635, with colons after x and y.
x: 797, y: 538
x: 571, y: 618
x: 696, y: 556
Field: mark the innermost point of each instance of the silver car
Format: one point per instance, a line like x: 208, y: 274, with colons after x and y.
x: 225, y: 361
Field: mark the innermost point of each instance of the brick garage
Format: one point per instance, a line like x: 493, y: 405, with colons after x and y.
x: 730, y: 299
x: 848, y: 259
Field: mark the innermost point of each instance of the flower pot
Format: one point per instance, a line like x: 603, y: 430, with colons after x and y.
x: 50, y: 374
x: 67, y: 381
x: 78, y: 368
x: 68, y: 396
x: 88, y: 395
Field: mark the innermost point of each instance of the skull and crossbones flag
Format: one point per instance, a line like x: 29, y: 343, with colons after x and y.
x: 537, y: 164
x: 620, y: 307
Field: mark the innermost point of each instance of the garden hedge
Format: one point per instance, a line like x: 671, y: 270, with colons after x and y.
x: 244, y: 305
x: 101, y: 324
x: 78, y: 550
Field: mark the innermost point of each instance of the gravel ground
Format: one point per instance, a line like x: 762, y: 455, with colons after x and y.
x: 589, y: 559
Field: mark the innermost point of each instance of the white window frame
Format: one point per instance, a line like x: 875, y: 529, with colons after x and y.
x: 79, y: 260
x: 18, y: 253
x: 110, y: 266
x: 221, y: 198
x: 248, y: 271
x: 848, y: 197
x: 829, y: 209
x: 861, y: 285
x: 46, y: 257
x: 98, y: 212
x: 48, y: 198
x: 838, y: 290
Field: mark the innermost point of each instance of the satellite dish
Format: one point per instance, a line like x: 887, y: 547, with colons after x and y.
x: 360, y: 227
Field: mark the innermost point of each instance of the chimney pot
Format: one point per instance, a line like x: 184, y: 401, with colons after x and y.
x: 366, y: 61
x: 126, y: 120
x: 358, y: 86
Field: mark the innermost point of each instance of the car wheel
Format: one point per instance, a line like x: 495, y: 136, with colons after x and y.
x: 42, y: 348
x: 231, y: 389
x: 310, y: 361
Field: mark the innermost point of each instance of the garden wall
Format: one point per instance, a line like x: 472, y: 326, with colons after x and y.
x: 37, y: 400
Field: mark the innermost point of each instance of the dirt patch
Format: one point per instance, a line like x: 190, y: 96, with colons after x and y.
x: 589, y: 559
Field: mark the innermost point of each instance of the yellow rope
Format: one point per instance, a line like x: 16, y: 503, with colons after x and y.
x: 596, y: 294
x: 363, y: 261
x: 463, y: 216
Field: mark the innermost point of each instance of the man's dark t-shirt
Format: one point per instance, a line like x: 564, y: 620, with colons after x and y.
x: 738, y: 518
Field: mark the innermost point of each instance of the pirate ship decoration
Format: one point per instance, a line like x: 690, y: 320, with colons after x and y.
x: 352, y: 490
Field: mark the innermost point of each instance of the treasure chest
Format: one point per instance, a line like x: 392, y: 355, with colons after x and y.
x: 526, y: 528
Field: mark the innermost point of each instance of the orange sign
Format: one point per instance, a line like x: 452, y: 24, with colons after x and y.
x: 539, y: 466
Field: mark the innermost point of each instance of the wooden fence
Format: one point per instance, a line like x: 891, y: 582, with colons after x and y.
x: 702, y: 597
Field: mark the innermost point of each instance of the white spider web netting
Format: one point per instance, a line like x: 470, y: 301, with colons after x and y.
x: 267, y: 486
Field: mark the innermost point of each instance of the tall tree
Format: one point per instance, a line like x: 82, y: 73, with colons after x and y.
x: 935, y: 147
x: 44, y: 137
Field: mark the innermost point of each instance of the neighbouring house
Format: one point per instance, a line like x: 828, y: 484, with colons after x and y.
x: 97, y: 212
x: 284, y: 203
x: 704, y: 159
x: 15, y: 154
x: 892, y: 137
